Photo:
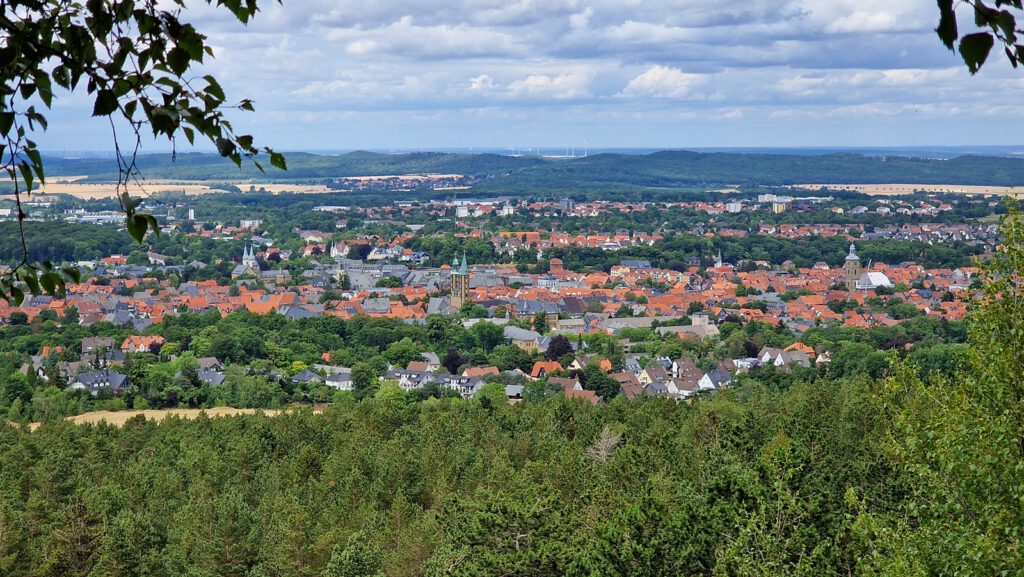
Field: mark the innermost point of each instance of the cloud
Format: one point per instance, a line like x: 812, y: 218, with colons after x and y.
x: 662, y: 82
x: 404, y: 72
x: 564, y: 86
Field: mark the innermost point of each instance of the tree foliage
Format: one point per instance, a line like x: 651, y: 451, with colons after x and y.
x: 961, y: 440
x: 999, y: 25
x: 132, y: 58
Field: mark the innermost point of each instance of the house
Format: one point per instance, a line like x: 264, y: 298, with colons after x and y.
x: 657, y: 389
x: 275, y: 276
x: 210, y: 363
x: 565, y: 383
x: 96, y: 381
x: 581, y: 361
x: 798, y: 346
x: 525, y: 339
x: 417, y: 366
x: 685, y: 368
x: 588, y: 396
x: 632, y: 364
x: 767, y: 355
x: 714, y: 379
x: 341, y: 380
x: 408, y: 380
x: 432, y: 360
x: 467, y: 387
x: 142, y: 344
x: 306, y: 376
x: 784, y: 360
x: 90, y: 344
x: 514, y: 393
x: 694, y: 331
x: 542, y: 369
x: 790, y: 359
x: 629, y: 385
x: 481, y: 372
x: 653, y: 373
x: 210, y: 376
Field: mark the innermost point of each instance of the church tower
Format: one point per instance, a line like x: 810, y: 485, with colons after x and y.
x: 249, y: 258
x: 851, y: 269
x: 460, y: 282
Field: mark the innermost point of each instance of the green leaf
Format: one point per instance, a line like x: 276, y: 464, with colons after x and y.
x: 44, y: 87
x: 71, y: 273
x: 947, y: 23
x: 37, y: 163
x: 129, y: 202
x: 153, y: 224
x: 137, y: 224
x: 6, y: 122
x: 225, y: 147
x: 213, y: 87
x: 178, y: 59
x: 1007, y: 24
x: 62, y: 77
x: 28, y: 276
x: 163, y: 120
x: 26, y: 175
x: 48, y: 283
x: 17, y: 295
x: 106, y: 103
x: 277, y: 160
x: 974, y: 49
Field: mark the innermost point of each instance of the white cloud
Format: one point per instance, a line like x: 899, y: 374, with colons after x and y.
x: 564, y: 86
x: 482, y: 84
x: 662, y: 82
x: 626, y: 67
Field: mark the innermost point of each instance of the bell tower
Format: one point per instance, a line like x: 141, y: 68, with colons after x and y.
x: 249, y: 258
x: 460, y: 282
x: 851, y: 269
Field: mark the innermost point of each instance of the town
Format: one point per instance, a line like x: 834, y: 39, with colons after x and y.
x: 511, y: 312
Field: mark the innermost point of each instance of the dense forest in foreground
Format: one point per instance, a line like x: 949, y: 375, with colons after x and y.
x: 452, y: 487
x: 602, y: 172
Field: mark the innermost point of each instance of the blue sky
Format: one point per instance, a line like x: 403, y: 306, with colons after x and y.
x: 342, y: 74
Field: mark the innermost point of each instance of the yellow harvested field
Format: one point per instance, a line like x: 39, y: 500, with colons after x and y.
x: 95, y: 191
x: 71, y: 185
x: 84, y: 191
x: 119, y: 418
x: 898, y: 189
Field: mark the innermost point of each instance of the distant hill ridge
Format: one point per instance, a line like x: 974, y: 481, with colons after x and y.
x: 607, y: 171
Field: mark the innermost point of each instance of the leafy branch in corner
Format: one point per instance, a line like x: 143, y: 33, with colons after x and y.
x: 999, y: 23
x: 133, y: 57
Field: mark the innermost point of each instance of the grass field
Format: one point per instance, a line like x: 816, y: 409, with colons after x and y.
x: 119, y: 418
x: 88, y: 191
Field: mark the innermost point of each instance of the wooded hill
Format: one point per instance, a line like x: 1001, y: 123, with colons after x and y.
x: 611, y: 172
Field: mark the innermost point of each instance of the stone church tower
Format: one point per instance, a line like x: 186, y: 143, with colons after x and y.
x: 460, y: 283
x: 249, y: 258
x: 851, y: 269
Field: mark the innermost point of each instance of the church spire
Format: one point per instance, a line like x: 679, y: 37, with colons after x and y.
x: 463, y: 268
x: 853, y: 253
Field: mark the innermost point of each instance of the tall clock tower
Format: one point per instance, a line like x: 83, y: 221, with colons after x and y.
x: 851, y: 269
x: 460, y: 282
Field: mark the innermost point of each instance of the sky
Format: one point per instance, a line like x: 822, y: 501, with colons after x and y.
x: 432, y: 74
